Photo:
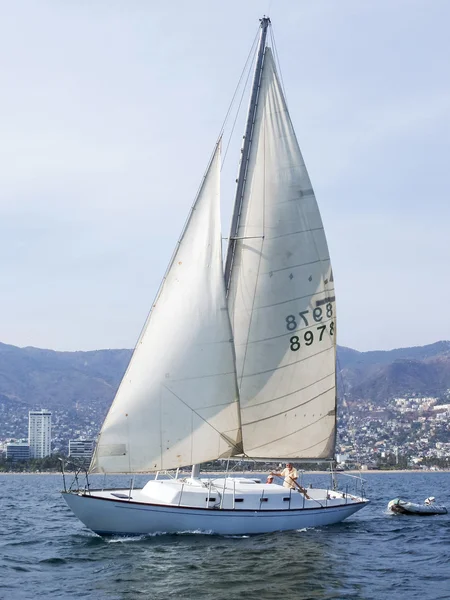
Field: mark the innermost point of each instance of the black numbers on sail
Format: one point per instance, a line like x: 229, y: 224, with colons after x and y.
x: 295, y: 343
x: 304, y: 320
x: 317, y: 314
x: 291, y: 323
x: 318, y: 320
x: 310, y: 336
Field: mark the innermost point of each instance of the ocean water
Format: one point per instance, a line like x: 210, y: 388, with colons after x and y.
x: 45, y: 552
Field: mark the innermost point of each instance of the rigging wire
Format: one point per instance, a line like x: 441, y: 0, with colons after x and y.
x: 249, y: 56
x: 250, y: 69
x: 277, y: 61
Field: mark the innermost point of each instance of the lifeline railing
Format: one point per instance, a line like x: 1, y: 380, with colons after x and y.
x: 359, y: 487
x: 359, y: 483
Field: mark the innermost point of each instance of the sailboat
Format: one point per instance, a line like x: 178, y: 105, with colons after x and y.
x: 234, y: 362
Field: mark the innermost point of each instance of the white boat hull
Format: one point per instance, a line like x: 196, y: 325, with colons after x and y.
x: 106, y: 516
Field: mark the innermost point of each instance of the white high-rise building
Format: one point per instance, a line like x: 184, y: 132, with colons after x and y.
x: 40, y: 433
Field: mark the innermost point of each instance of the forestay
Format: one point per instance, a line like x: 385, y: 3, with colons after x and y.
x: 177, y: 403
x: 281, y: 297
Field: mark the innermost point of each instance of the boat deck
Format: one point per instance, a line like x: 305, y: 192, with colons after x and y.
x: 226, y: 493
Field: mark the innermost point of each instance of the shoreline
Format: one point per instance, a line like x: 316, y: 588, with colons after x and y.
x: 240, y: 473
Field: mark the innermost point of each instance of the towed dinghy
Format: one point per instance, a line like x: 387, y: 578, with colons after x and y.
x: 429, y: 507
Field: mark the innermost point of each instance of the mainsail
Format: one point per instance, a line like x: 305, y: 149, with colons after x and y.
x: 281, y: 295
x: 177, y: 403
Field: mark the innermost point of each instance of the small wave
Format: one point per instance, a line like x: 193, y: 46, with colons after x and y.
x: 124, y: 539
x: 53, y: 561
x: 196, y: 532
x: 139, y: 537
x: 23, y: 543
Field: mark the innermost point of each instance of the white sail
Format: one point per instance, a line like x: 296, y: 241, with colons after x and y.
x: 177, y: 403
x: 281, y: 296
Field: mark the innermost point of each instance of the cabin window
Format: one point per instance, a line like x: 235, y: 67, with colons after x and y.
x: 210, y: 499
x: 286, y: 499
x: 239, y: 499
x: 263, y: 499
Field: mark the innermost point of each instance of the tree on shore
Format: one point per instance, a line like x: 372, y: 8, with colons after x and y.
x: 33, y: 465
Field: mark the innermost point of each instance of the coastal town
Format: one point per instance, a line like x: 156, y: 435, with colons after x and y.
x: 404, y: 432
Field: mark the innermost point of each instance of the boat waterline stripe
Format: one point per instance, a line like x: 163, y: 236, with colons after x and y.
x: 212, y: 512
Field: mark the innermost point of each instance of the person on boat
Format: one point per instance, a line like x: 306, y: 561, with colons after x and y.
x: 269, y: 479
x: 290, y: 476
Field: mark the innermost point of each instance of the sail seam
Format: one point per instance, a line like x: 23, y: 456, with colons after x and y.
x: 294, y: 299
x: 312, y: 262
x: 278, y: 367
x: 248, y: 237
x: 291, y: 434
x: 284, y: 412
x: 289, y: 394
x: 325, y: 439
x: 296, y: 199
x: 276, y: 237
x: 216, y: 405
x: 203, y: 376
x: 198, y: 415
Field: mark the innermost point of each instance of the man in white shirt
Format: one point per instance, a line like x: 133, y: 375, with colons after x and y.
x: 290, y: 476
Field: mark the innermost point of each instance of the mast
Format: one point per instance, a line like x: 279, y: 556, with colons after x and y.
x: 245, y: 152
x: 243, y: 166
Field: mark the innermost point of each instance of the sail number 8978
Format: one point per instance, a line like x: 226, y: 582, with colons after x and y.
x: 310, y: 336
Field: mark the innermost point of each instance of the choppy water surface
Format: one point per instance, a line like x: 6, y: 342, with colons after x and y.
x: 46, y: 552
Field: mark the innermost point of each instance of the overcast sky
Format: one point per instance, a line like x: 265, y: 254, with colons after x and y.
x: 109, y: 112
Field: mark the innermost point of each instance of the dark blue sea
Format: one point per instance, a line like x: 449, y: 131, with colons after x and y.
x: 45, y: 552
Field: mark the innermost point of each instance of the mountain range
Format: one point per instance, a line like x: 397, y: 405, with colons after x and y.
x: 380, y: 375
x: 35, y: 378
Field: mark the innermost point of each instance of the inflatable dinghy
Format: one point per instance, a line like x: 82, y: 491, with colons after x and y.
x: 411, y: 508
